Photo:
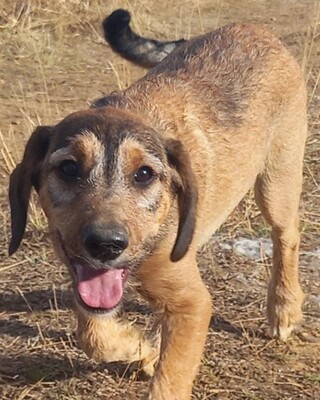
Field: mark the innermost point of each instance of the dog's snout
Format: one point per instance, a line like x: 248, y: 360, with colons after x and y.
x: 105, y: 243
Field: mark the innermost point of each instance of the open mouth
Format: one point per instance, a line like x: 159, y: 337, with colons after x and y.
x: 99, y: 290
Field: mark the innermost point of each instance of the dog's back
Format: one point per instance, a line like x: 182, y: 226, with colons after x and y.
x: 226, y: 71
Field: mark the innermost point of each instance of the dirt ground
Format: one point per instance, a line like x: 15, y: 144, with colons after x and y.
x: 54, y: 61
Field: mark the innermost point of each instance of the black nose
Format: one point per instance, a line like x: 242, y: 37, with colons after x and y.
x: 105, y: 243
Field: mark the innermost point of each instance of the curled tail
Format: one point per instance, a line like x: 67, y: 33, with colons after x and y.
x: 137, y: 49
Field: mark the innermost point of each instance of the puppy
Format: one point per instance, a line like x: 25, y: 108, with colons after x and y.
x: 134, y: 186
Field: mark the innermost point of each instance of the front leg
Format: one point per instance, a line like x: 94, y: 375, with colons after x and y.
x: 177, y: 290
x: 108, y: 339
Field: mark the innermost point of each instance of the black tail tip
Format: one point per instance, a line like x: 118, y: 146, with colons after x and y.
x: 116, y: 22
x: 12, y: 248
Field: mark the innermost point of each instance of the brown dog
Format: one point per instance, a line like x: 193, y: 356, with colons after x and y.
x: 132, y: 190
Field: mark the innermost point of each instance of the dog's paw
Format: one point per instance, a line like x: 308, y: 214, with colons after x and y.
x: 112, y: 340
x: 148, y: 364
x: 284, y: 311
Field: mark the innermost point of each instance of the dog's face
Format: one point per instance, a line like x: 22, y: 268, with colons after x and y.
x: 108, y: 185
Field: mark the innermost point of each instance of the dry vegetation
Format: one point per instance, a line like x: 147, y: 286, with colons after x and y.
x: 53, y: 61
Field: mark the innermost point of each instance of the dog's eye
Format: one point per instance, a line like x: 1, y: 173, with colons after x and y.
x: 143, y: 176
x: 68, y: 169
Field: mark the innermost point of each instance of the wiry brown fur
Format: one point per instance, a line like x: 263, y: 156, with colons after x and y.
x: 224, y: 112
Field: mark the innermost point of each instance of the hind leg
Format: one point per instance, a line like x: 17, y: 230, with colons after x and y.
x: 277, y: 193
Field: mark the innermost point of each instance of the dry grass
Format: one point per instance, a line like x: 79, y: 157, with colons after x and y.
x: 53, y: 61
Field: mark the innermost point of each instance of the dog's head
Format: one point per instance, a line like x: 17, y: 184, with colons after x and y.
x: 110, y: 187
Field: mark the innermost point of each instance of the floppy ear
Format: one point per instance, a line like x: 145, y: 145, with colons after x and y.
x: 187, y: 197
x: 26, y: 175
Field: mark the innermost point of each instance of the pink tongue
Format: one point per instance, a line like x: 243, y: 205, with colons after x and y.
x: 100, y: 288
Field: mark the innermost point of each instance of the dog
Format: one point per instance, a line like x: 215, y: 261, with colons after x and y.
x: 134, y: 186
